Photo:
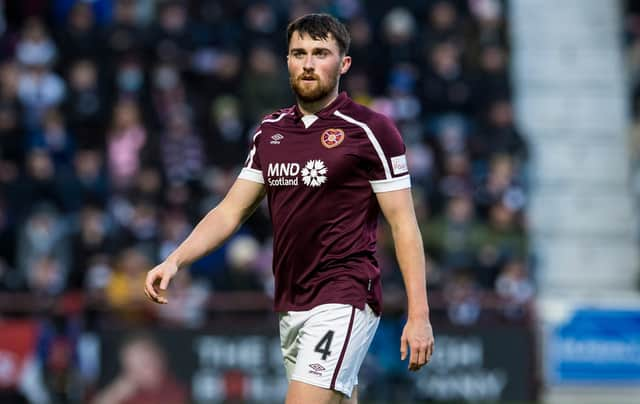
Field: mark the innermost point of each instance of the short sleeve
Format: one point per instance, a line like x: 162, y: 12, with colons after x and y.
x: 386, y: 156
x: 252, y: 170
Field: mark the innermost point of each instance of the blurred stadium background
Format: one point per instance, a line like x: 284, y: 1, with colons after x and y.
x: 123, y: 121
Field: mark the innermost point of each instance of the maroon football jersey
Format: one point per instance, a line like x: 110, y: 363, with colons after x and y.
x: 321, y: 172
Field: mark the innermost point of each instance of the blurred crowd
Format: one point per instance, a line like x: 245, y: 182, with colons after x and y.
x: 632, y: 43
x: 122, y: 122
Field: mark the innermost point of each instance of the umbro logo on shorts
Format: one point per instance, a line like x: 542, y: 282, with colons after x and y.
x: 317, y: 367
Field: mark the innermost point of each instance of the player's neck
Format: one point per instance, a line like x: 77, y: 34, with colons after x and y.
x: 308, y: 108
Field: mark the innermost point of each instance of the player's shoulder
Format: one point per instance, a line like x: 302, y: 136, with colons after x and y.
x: 364, y: 116
x: 277, y: 116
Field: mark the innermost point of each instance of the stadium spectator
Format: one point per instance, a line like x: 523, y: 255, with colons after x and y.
x: 144, y: 376
x: 85, y: 107
x: 54, y: 138
x: 452, y: 239
x: 80, y: 36
x: 514, y: 285
x: 125, y: 141
x: 182, y: 149
x: 43, y: 251
x: 122, y: 291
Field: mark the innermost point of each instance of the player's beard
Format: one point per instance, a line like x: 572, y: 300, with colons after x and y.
x: 316, y: 92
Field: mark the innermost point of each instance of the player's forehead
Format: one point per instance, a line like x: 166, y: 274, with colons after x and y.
x: 302, y: 40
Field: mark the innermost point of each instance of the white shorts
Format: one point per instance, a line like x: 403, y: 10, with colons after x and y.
x: 325, y: 346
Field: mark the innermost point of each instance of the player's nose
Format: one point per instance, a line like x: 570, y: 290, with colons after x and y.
x: 308, y: 63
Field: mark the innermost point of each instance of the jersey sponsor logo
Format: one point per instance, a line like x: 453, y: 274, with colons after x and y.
x: 399, y: 164
x: 331, y: 138
x: 313, y: 174
x: 275, y: 139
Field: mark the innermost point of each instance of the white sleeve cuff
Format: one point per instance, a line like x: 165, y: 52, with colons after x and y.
x: 392, y: 184
x: 251, y: 174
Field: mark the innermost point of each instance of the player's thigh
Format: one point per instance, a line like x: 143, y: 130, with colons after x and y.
x: 304, y: 393
x: 332, y: 345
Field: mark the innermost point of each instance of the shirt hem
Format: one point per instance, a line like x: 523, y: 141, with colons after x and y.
x: 392, y: 184
x: 251, y: 174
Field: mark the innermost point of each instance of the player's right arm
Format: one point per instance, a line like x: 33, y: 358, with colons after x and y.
x: 213, y: 230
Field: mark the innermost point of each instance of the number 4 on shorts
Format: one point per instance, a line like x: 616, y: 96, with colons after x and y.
x: 324, y: 345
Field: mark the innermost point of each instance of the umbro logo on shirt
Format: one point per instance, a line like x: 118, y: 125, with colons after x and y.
x: 275, y: 139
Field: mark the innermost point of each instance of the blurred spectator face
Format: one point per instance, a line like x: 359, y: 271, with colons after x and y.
x: 501, y: 172
x: 493, y: 59
x: 399, y: 26
x: 126, y: 115
x: 88, y: 163
x: 8, y: 120
x: 130, y: 76
x: 177, y: 194
x: 83, y: 76
x: 175, y: 227
x: 501, y: 114
x: 515, y: 269
x: 52, y: 121
x: 39, y: 165
x: 488, y: 12
x: 444, y: 58
x: 132, y: 262
x: 125, y: 12
x: 225, y: 116
x: 179, y: 124
x: 460, y: 209
x: 357, y: 83
x: 35, y: 47
x: 242, y: 253
x: 144, y: 363
x: 225, y: 108
x: 92, y: 224
x: 260, y: 17
x: 501, y: 217
x: 443, y: 15
x: 81, y: 17
x: 166, y: 77
x: 457, y: 164
x: 34, y: 31
x: 173, y: 17
x: 263, y: 61
x: 144, y: 221
x: 9, y: 77
x: 149, y: 181
x: 228, y: 66
x: 313, y: 78
x: 46, y: 275
x: 360, y: 32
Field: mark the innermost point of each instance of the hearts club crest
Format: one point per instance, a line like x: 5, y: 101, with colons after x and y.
x: 332, y: 137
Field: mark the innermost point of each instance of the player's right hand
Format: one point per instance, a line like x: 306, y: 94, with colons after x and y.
x: 161, y: 274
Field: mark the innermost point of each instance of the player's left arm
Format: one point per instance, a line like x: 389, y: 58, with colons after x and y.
x: 397, y: 207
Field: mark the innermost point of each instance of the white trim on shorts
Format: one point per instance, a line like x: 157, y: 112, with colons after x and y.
x: 352, y: 332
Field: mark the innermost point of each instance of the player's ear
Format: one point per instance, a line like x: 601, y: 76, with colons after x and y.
x: 346, y: 64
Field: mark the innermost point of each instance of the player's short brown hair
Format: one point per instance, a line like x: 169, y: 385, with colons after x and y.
x: 319, y: 26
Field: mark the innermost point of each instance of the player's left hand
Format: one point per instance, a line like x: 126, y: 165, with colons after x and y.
x: 418, y: 335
